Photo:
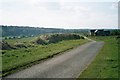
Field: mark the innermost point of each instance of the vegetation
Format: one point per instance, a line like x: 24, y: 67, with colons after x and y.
x: 27, y: 53
x: 21, y: 48
x: 39, y: 41
x: 59, y: 37
x: 115, y: 32
x: 26, y: 41
x: 20, y: 45
x: 54, y: 38
x: 9, y: 32
x: 5, y: 46
x: 105, y: 64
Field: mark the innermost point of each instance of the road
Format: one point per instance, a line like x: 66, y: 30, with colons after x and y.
x: 67, y: 65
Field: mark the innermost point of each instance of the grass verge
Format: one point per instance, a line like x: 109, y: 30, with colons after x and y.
x: 105, y: 64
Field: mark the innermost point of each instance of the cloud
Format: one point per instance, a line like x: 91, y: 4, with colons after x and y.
x: 58, y: 14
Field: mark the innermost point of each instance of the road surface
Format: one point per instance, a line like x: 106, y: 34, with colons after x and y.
x: 67, y: 65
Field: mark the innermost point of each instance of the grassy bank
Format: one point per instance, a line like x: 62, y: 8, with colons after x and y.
x: 13, y: 60
x: 105, y: 65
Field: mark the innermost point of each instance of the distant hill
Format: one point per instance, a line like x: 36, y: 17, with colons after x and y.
x: 33, y: 31
x: 28, y: 31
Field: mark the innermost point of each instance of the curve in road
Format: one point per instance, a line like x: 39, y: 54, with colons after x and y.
x: 67, y: 65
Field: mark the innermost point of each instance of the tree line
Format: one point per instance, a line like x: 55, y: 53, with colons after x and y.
x: 33, y: 31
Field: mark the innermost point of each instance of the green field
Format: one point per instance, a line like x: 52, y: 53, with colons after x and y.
x: 26, y: 41
x: 16, y: 59
x: 105, y: 65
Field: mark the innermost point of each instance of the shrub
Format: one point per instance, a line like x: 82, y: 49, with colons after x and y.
x: 5, y: 46
x: 59, y: 37
x: 55, y: 38
x: 5, y: 38
x: 39, y: 41
x: 20, y: 45
x: 82, y: 37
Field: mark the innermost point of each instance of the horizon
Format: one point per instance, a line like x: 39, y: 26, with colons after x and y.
x: 53, y: 27
x: 60, y: 14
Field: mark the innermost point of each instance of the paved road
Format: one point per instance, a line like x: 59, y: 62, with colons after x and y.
x: 67, y: 65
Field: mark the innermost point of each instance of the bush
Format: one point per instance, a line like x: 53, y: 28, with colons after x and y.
x: 5, y: 38
x: 115, y: 32
x: 39, y: 41
x: 59, y: 37
x: 82, y: 37
x: 20, y: 45
x: 55, y: 38
x: 5, y: 46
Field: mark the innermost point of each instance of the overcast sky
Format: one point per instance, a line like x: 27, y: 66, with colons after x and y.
x: 68, y: 14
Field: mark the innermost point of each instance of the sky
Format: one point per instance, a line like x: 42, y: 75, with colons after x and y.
x: 67, y: 14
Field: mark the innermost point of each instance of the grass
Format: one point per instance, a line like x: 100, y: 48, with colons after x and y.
x: 0, y: 63
x: 13, y: 60
x: 26, y: 41
x: 105, y: 65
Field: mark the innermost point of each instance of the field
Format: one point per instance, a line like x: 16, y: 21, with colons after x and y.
x: 26, y: 41
x: 16, y: 59
x: 105, y: 65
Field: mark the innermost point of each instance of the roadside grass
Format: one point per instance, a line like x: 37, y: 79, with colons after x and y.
x: 0, y: 64
x: 13, y: 60
x: 105, y: 65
